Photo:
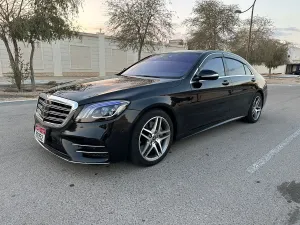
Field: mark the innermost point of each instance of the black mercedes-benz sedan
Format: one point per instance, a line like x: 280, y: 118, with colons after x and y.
x: 139, y: 114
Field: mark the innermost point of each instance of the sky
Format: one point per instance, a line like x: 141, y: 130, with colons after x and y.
x: 284, y: 14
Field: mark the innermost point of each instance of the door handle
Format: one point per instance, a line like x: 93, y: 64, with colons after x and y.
x: 225, y: 82
x: 253, y: 79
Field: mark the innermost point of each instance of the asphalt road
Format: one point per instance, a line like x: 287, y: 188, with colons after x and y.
x: 234, y: 174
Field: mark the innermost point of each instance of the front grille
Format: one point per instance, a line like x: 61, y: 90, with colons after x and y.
x: 54, y: 111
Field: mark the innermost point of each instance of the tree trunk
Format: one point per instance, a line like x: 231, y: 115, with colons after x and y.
x: 270, y: 71
x: 33, y: 88
x: 140, y: 52
x: 18, y: 73
x: 16, y: 48
x: 215, y: 41
x: 142, y: 39
x: 14, y: 62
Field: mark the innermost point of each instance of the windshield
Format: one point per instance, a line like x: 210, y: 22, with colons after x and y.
x: 170, y: 65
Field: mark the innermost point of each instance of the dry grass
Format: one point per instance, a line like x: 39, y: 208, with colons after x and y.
x: 8, y: 92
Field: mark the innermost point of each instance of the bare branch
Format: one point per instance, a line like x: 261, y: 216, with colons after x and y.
x: 20, y: 8
x: 12, y: 8
x: 7, y: 10
x: 139, y: 25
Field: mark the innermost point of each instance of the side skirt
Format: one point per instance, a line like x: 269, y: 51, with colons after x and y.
x: 211, y: 127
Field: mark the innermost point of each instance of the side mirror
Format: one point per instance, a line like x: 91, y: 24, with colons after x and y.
x: 207, y: 75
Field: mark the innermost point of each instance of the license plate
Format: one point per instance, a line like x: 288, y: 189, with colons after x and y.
x: 40, y: 133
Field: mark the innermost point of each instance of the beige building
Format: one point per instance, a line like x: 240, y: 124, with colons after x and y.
x: 97, y: 55
x: 90, y: 56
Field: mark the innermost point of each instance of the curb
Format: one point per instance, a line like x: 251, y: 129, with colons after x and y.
x: 27, y: 100
x: 282, y: 77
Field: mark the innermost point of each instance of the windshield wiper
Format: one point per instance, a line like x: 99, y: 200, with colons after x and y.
x: 120, y: 73
x: 156, y: 77
x: 148, y: 76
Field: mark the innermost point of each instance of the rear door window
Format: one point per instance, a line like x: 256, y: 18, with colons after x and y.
x: 234, y: 67
x: 248, y: 71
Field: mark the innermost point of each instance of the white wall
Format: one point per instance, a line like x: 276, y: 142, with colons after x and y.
x: 264, y: 70
x: 90, y: 55
x: 80, y: 55
x: 5, y: 66
x: 116, y: 59
x: 94, y: 55
x: 294, y: 54
x: 43, y: 57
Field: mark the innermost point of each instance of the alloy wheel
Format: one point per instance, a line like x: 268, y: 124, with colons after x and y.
x: 257, y: 107
x: 154, y: 138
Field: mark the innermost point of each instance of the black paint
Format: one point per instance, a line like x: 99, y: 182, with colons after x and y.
x: 191, y: 109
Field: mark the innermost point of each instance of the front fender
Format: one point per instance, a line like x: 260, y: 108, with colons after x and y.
x: 162, y: 102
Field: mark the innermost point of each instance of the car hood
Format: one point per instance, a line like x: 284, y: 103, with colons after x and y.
x: 90, y: 88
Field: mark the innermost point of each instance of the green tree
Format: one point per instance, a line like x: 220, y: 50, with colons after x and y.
x: 139, y: 24
x: 10, y: 12
x: 50, y: 21
x: 275, y: 53
x: 35, y: 20
x: 262, y: 31
x: 211, y: 25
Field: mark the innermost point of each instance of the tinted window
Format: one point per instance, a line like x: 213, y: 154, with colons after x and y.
x: 235, y: 67
x: 171, y: 65
x: 216, y: 65
x: 248, y: 71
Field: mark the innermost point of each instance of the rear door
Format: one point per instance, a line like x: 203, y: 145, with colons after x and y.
x: 213, y: 96
x: 243, y: 86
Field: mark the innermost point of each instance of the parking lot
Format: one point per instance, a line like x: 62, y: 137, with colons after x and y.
x: 235, y: 174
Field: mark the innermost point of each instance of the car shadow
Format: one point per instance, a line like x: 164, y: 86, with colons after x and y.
x: 179, y: 156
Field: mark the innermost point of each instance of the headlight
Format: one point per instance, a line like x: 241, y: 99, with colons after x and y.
x: 102, y: 111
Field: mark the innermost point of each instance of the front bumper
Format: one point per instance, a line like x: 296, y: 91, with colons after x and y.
x: 91, y: 143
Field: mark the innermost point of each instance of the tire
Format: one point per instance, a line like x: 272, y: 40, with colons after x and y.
x: 149, y: 147
x: 257, y: 105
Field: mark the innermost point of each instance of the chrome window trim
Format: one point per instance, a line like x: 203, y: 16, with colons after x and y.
x: 244, y: 64
x: 73, y: 104
x: 251, y: 76
x: 89, y: 152
x: 241, y: 76
x: 226, y: 76
x: 90, y: 146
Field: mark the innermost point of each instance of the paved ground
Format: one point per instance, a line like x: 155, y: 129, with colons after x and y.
x: 40, y: 80
x: 206, y: 179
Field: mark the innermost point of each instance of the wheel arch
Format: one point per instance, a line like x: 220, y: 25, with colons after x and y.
x: 262, y: 95
x: 164, y: 107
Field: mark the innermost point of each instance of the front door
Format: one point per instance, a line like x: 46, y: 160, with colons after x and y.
x: 213, y: 96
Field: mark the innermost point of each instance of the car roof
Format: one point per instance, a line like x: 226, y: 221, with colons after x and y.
x: 208, y: 52
x: 203, y: 51
x: 188, y: 51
